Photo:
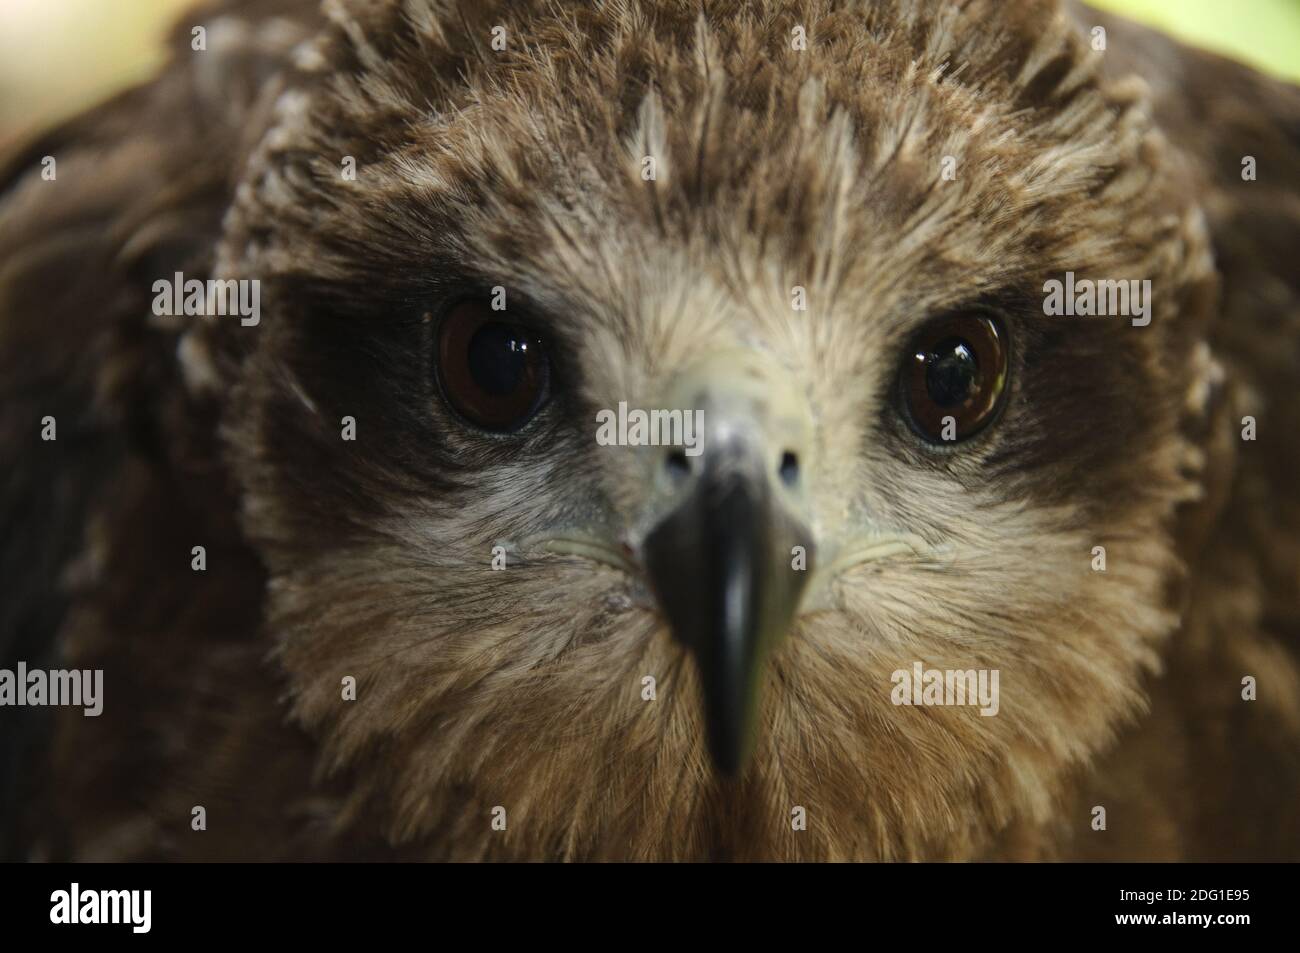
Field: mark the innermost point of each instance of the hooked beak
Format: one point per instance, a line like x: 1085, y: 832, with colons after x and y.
x: 723, y: 561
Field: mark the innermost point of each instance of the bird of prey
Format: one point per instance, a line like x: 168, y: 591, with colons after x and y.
x: 305, y: 348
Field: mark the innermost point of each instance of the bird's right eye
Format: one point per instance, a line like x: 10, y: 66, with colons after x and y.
x: 493, y: 373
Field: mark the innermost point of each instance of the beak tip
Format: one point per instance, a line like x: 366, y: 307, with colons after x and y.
x: 729, y: 762
x: 728, y: 746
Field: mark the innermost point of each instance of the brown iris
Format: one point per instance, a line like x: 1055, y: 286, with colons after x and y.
x: 492, y: 371
x: 956, y: 368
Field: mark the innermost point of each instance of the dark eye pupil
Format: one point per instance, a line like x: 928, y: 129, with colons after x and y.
x: 498, y: 358
x: 951, y: 373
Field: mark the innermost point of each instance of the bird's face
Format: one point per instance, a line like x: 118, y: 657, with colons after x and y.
x: 897, y: 458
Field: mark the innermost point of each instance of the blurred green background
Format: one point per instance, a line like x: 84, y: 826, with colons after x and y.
x: 58, y: 56
x: 1263, y: 32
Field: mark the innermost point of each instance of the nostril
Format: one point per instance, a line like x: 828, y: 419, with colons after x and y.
x: 789, y: 469
x: 677, y: 465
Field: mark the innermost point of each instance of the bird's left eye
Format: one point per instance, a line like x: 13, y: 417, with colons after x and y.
x: 953, y: 376
x: 493, y: 372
